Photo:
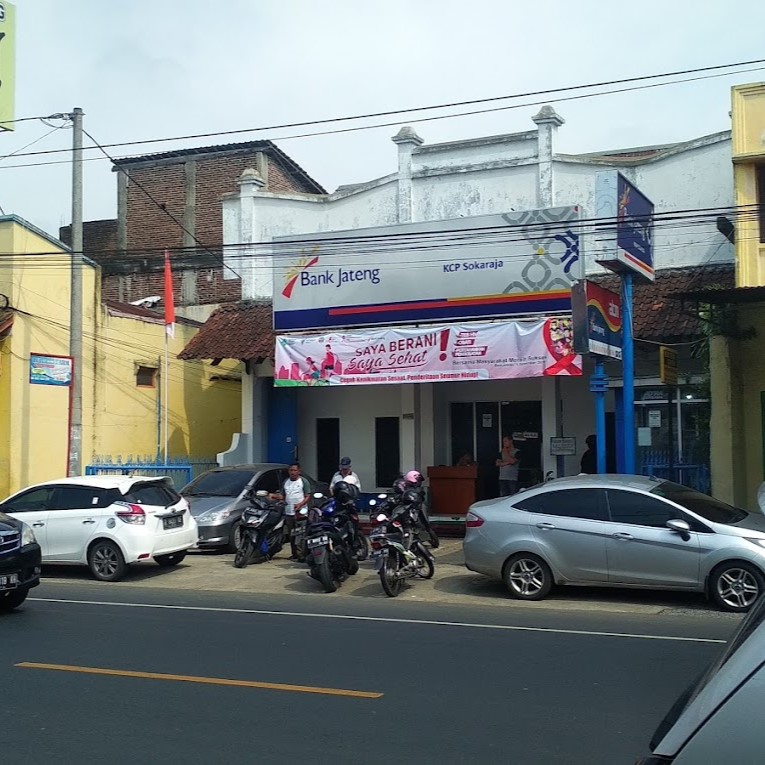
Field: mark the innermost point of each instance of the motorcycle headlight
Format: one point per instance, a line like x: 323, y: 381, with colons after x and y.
x: 27, y: 535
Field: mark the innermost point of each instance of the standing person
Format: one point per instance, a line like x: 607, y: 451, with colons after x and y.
x: 296, y: 493
x: 508, y: 463
x: 589, y: 463
x: 345, y: 473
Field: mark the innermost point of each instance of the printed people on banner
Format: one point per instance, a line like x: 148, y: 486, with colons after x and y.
x: 312, y: 372
x: 328, y: 365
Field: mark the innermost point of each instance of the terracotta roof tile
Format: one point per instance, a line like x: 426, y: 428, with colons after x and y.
x: 236, y: 331
x: 245, y: 330
x: 658, y: 314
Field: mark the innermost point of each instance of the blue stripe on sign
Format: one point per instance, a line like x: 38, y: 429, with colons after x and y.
x: 322, y: 317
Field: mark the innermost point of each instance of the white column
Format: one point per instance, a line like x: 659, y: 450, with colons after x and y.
x: 408, y: 415
x: 240, y: 228
x: 548, y: 122
x: 406, y: 140
x: 551, y: 421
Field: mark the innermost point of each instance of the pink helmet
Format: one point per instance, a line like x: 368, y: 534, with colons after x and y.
x: 414, y: 477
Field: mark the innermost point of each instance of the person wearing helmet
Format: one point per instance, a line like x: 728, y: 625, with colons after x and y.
x: 413, y: 487
x: 344, y: 473
x: 414, y: 478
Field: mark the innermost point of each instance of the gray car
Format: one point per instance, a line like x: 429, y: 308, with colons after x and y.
x: 620, y: 531
x: 217, y: 498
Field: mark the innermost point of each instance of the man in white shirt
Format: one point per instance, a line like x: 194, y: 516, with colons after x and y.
x: 296, y: 493
x: 345, y: 473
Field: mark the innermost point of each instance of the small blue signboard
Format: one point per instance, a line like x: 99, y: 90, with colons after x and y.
x: 626, y: 217
x: 50, y: 370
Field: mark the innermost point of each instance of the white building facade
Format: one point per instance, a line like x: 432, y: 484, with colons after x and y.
x: 443, y: 182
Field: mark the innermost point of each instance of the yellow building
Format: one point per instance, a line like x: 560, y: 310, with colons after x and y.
x: 737, y: 318
x: 123, y: 350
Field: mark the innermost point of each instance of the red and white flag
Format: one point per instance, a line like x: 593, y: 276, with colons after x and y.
x: 169, y: 304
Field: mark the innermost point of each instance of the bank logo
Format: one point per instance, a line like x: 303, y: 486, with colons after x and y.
x: 293, y: 273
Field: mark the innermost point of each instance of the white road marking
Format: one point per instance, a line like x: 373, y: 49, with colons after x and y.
x: 384, y: 619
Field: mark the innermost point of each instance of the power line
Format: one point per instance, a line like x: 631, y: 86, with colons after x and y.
x: 365, y: 246
x: 371, y: 115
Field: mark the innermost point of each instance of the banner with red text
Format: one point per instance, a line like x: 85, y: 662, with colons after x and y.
x: 498, y: 351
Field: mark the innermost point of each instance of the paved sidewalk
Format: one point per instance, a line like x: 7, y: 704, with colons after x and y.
x: 452, y: 583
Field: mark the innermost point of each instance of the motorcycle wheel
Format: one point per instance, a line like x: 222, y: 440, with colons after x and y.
x: 325, y: 576
x: 425, y: 567
x: 362, y: 547
x: 353, y: 565
x: 434, y: 540
x: 391, y: 584
x: 243, y: 553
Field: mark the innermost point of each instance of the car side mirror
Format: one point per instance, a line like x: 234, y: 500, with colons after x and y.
x: 679, y: 525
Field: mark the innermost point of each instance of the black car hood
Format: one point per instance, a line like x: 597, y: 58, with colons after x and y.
x: 8, y: 524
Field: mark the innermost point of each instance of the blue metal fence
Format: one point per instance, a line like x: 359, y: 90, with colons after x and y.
x: 180, y: 469
x: 656, y: 463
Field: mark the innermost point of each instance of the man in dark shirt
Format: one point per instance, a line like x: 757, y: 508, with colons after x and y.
x: 589, y: 463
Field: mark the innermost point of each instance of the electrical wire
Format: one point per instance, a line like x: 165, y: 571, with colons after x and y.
x: 372, y: 115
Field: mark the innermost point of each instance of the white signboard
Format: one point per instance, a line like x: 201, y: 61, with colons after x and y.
x: 493, y: 265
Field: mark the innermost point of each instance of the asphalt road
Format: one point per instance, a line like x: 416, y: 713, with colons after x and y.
x: 333, y: 680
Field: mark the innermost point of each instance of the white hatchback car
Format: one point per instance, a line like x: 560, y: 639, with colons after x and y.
x: 106, y: 522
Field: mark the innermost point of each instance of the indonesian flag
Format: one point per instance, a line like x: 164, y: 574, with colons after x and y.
x: 169, y: 305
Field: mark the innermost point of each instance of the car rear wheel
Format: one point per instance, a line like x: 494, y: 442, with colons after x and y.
x: 528, y: 577
x: 12, y: 599
x: 171, y: 559
x: 736, y: 585
x: 106, y: 561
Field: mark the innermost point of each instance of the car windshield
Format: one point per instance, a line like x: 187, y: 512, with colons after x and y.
x: 703, y: 505
x: 219, y: 483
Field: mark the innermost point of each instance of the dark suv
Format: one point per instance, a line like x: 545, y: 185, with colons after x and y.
x: 19, y: 562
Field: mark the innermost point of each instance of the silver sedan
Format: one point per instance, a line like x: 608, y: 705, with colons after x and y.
x: 620, y: 531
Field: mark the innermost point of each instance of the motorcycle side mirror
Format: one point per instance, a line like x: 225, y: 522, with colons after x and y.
x: 382, y: 518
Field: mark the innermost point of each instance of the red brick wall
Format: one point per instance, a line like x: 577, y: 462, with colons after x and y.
x: 148, y: 227
x: 211, y: 287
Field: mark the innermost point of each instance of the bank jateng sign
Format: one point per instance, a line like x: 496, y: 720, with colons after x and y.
x: 468, y: 268
x: 498, y: 351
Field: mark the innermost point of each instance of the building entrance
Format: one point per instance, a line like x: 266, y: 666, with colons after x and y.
x: 477, y: 429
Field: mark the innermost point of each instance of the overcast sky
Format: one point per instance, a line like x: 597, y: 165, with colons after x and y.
x: 155, y: 68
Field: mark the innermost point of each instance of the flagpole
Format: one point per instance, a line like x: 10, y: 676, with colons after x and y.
x: 166, y: 390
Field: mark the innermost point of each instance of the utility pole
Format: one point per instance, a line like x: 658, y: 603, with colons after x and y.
x: 75, y: 315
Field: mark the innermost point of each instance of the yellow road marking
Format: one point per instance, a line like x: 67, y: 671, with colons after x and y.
x: 202, y: 680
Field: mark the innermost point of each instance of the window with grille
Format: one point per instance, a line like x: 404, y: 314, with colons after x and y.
x: 146, y: 377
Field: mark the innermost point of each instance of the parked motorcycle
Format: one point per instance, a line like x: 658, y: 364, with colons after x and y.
x: 262, y: 534
x: 329, y: 551
x: 346, y: 495
x: 397, y: 551
x: 410, y: 486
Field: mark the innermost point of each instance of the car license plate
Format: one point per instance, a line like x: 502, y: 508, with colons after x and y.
x: 173, y: 522
x: 317, y: 542
x: 9, y: 581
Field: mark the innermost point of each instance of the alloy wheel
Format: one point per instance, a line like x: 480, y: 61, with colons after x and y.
x: 738, y: 588
x: 526, y: 577
x: 105, y: 561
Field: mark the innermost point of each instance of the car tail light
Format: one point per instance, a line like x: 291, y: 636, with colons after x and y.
x: 131, y: 514
x: 473, y: 521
